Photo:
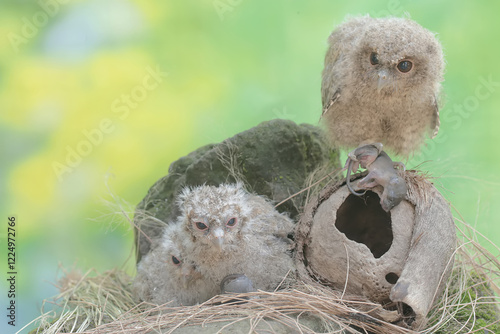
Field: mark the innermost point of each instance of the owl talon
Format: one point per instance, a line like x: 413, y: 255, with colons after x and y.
x: 378, y: 146
x: 362, y: 156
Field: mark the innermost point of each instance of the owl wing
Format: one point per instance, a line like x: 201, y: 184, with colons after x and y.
x: 329, y: 103
x: 435, y: 123
x: 330, y: 88
x: 345, y: 38
x: 330, y: 84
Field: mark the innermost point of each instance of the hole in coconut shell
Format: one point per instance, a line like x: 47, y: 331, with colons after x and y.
x: 362, y: 219
x: 407, y: 312
x: 392, y: 278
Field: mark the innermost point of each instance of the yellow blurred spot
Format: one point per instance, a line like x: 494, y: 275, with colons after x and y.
x: 31, y: 189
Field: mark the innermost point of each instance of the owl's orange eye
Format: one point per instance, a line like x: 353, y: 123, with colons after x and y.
x: 201, y: 226
x: 374, y: 58
x: 405, y: 66
x: 175, y: 260
x: 231, y: 222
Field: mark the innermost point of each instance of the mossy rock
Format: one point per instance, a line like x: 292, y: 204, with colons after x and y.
x: 273, y: 159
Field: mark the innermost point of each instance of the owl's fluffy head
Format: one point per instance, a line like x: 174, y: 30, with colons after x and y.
x: 390, y: 55
x: 174, y: 256
x: 215, y: 216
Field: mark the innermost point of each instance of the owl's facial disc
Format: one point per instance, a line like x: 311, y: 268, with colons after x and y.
x: 218, y: 238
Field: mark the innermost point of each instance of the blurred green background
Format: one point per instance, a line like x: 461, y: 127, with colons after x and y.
x: 134, y: 85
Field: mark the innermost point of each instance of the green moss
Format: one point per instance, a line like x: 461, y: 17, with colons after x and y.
x: 274, y: 159
x: 475, y: 298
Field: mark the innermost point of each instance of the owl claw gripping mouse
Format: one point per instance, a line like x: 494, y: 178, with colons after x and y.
x: 381, y: 172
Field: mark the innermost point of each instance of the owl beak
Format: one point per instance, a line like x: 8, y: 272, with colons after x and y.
x: 218, y: 239
x: 383, y: 79
x: 186, y: 277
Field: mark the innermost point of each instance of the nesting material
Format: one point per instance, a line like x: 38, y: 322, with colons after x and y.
x: 102, y: 303
x: 400, y: 259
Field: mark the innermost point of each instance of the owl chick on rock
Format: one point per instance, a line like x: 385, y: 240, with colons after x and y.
x: 381, y: 84
x: 164, y: 275
x: 235, y: 233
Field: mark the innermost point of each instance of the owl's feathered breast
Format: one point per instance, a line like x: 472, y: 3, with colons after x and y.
x: 400, y: 124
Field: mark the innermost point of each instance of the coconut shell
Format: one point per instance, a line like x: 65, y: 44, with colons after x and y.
x: 400, y: 259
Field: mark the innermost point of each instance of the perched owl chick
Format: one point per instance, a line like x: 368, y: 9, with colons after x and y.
x: 234, y: 232
x: 381, y: 84
x: 164, y: 275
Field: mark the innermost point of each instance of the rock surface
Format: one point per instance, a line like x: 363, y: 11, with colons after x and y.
x: 272, y: 159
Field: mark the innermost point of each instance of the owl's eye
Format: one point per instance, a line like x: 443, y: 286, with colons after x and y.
x: 231, y: 222
x: 374, y: 58
x: 201, y: 226
x: 405, y: 66
x: 175, y: 260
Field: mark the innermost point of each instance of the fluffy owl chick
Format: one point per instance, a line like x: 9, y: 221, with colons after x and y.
x: 381, y: 83
x: 234, y: 232
x: 164, y: 275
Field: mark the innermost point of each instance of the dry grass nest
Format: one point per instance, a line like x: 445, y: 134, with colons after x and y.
x: 102, y: 303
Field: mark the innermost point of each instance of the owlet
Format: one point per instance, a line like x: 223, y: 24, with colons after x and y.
x: 381, y: 84
x: 165, y: 275
x: 233, y: 232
